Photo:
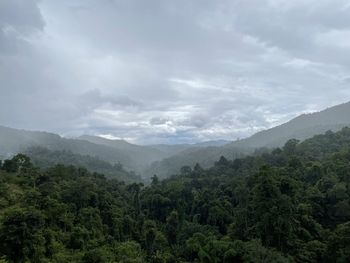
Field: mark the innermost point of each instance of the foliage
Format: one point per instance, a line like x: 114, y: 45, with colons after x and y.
x: 45, y: 158
x: 285, y: 205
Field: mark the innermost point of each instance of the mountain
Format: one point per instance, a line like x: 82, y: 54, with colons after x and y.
x: 156, y: 151
x: 131, y: 156
x: 144, y: 155
x: 172, y: 149
x: 212, y: 143
x: 302, y: 127
x: 13, y: 141
x: 165, y: 160
x: 205, y: 156
x: 45, y: 159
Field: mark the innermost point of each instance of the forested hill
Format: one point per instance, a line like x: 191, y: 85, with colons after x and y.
x: 143, y: 155
x: 133, y: 157
x: 289, y: 205
x: 13, y: 141
x: 301, y: 127
x: 45, y: 158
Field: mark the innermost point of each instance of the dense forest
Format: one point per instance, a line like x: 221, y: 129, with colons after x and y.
x: 45, y: 158
x: 291, y: 204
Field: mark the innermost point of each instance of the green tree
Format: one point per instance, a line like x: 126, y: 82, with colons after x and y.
x: 21, y: 235
x: 172, y: 227
x: 129, y: 252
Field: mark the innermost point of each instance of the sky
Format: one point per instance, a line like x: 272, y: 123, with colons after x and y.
x: 165, y: 71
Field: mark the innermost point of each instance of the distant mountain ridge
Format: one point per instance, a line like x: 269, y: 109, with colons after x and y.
x: 165, y: 160
x: 150, y: 153
x: 13, y: 141
x: 302, y: 127
x: 143, y: 155
x: 45, y: 158
x: 133, y: 157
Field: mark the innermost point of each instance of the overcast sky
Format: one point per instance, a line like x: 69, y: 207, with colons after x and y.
x: 170, y: 71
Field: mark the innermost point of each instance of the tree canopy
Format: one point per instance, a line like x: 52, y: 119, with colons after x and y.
x: 285, y: 205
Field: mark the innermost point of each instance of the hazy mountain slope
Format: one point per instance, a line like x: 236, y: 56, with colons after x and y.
x: 205, y: 156
x: 172, y: 149
x: 13, y: 141
x: 166, y: 159
x: 302, y: 127
x: 156, y: 151
x: 134, y: 157
x: 212, y: 143
x: 45, y: 158
x: 143, y: 155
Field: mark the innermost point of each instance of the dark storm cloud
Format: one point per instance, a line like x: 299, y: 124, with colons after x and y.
x: 176, y: 71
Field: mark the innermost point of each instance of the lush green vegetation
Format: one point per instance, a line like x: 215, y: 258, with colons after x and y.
x: 205, y: 156
x: 287, y: 205
x: 45, y: 158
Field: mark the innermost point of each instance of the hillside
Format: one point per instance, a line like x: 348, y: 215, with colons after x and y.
x: 131, y: 156
x: 13, y: 141
x: 45, y: 159
x: 150, y: 153
x: 301, y: 127
x: 142, y: 155
x: 204, y: 156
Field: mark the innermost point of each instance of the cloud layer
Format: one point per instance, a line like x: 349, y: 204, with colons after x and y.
x: 164, y: 71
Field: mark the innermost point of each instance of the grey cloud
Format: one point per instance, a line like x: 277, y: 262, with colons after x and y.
x: 157, y: 121
x: 18, y: 19
x: 346, y: 80
x: 22, y: 15
x: 169, y: 71
x: 294, y: 25
x: 95, y: 98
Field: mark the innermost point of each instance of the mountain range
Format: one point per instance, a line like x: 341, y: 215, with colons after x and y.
x: 163, y: 159
x: 302, y: 127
